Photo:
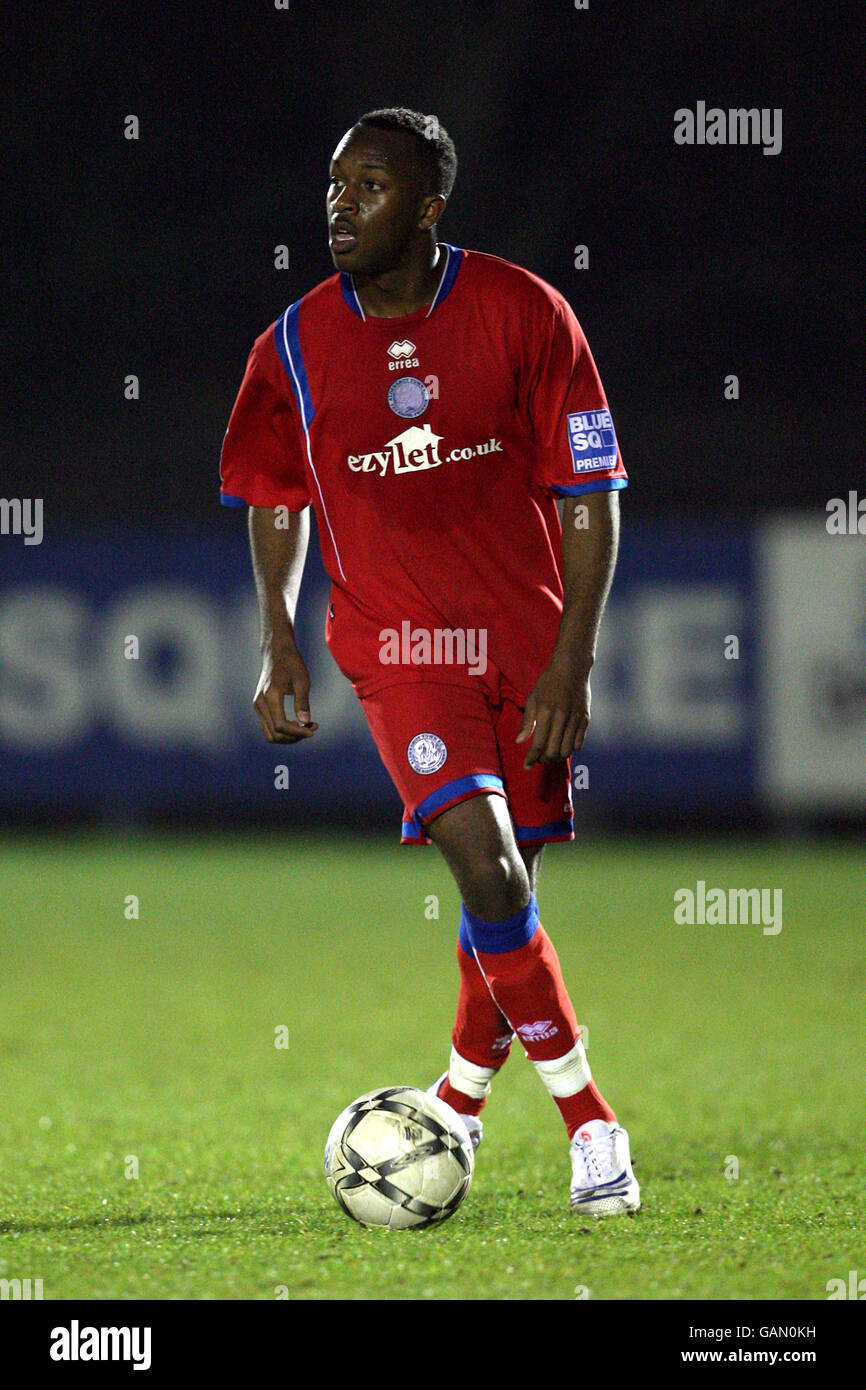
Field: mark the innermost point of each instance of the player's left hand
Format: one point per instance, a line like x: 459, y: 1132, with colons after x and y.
x: 556, y: 714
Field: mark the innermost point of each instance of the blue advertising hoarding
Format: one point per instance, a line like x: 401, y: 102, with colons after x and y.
x: 128, y: 663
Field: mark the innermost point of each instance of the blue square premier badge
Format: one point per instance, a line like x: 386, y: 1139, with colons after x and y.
x: 592, y: 440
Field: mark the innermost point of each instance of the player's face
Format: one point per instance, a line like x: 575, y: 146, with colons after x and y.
x: 375, y: 205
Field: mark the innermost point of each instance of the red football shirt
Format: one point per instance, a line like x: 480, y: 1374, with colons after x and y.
x: 432, y: 447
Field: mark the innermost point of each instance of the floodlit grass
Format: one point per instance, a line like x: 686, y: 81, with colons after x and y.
x: 148, y: 1046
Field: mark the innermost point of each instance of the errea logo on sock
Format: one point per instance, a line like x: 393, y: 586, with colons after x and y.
x: 537, y: 1032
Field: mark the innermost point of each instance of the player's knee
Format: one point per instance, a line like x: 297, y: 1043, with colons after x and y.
x: 497, y: 887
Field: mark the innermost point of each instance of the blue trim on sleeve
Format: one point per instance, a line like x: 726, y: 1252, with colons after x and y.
x: 595, y: 485
x: 474, y: 782
x: 226, y: 500
x: 288, y: 345
x: 498, y: 938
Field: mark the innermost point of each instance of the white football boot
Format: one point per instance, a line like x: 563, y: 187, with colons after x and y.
x: 472, y: 1122
x: 602, y: 1181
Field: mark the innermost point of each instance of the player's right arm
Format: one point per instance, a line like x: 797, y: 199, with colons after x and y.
x: 278, y: 555
x: 262, y: 466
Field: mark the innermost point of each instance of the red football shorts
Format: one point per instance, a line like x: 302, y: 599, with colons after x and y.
x: 443, y: 743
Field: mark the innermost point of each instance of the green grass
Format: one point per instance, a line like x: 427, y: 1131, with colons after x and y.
x: 155, y: 1039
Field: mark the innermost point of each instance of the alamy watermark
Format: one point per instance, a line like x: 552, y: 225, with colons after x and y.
x: 713, y: 907
x: 846, y: 516
x: 20, y: 1290
x: 22, y: 516
x: 854, y: 1287
x: 77, y: 1343
x: 736, y: 126
x: 441, y: 646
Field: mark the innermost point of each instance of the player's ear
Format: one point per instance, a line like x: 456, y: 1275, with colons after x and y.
x: 431, y: 211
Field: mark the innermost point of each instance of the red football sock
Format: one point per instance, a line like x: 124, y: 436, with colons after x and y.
x: 585, y: 1105
x: 527, y: 985
x: 482, y: 1035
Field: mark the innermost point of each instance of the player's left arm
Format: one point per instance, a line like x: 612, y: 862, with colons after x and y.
x: 558, y: 706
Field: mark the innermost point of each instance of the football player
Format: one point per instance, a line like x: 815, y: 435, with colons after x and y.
x: 432, y: 404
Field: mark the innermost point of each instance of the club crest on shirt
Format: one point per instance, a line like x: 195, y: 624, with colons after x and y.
x: 408, y: 397
x: 426, y: 753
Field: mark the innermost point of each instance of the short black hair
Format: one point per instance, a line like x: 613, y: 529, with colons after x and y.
x: 432, y: 140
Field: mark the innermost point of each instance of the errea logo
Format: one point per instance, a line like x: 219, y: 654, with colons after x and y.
x: 401, y: 352
x: 542, y: 1029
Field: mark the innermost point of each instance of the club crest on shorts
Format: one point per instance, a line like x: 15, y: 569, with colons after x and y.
x: 408, y: 397
x: 426, y: 753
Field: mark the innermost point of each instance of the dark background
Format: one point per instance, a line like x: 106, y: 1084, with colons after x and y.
x: 156, y: 257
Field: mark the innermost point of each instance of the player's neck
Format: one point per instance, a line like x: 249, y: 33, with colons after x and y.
x: 406, y: 288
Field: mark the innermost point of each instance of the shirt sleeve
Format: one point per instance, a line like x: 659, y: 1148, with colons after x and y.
x: 263, y: 461
x: 565, y: 406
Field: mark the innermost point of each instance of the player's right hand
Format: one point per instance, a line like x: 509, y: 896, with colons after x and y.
x: 284, y: 675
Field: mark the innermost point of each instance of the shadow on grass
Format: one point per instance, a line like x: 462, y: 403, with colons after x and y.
x: 313, y: 1219
x: 276, y: 1225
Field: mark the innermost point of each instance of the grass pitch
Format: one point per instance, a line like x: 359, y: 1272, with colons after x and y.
x: 156, y: 1143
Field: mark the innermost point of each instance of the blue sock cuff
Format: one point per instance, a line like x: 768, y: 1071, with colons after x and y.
x: 497, y: 938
